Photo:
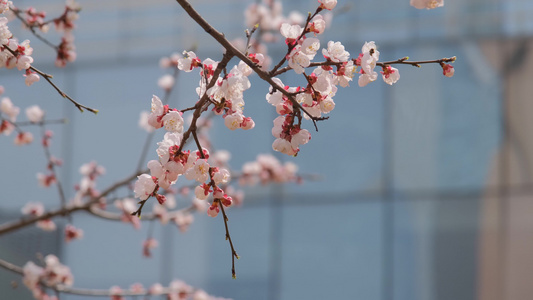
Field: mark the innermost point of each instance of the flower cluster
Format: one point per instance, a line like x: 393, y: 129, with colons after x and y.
x: 35, y: 18
x: 87, y: 184
x: 66, y: 51
x: 173, y: 163
x: 10, y: 112
x: 227, y: 94
x: 268, y: 17
x: 8, y: 117
x: 163, y: 116
x: 54, y: 273
x: 14, y: 54
x: 177, y: 290
x: 36, y: 209
x: 5, y: 5
x: 267, y: 169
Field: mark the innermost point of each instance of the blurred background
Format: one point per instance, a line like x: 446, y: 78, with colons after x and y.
x: 426, y: 188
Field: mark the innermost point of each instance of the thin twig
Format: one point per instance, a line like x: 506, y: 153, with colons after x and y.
x: 228, y: 238
x: 249, y: 35
x: 112, y: 216
x: 405, y: 61
x: 63, y: 94
x: 51, y: 166
x: 45, y: 122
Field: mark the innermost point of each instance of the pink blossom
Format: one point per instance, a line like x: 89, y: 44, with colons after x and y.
x: 188, y: 61
x: 283, y: 146
x: 317, y: 25
x: 233, y: 121
x: 144, y: 186
x: 448, y: 70
x: 327, y: 105
x: 166, y: 173
x: 148, y: 245
x: 222, y: 176
x: 6, y: 127
x: 427, y: 4
x: 298, y: 60
x: 199, y: 172
x: 137, y: 288
x: 31, y: 78
x: 336, y: 52
x: 156, y: 289
x: 300, y: 138
x: 46, y: 225
x: 226, y: 200
x: 24, y: 62
x: 213, y: 210
x: 7, y: 107
x: 143, y: 121
x: 183, y: 220
x: 35, y: 114
x: 166, y: 82
x: 5, y: 34
x: 310, y: 47
x: 4, y: 6
x: 200, y: 205
x: 173, y: 121
x: 55, y: 272
x: 202, y: 191
x: 23, y: 138
x: 365, y: 78
x: 179, y: 290
x: 157, y: 113
x: 32, y: 275
x: 247, y: 123
x: 128, y: 206
x: 369, y: 60
x: 290, y: 32
x: 200, y: 295
x: 170, y: 140
x: 345, y: 73
x: 218, y: 192
x: 72, y: 233
x: 34, y: 209
x: 160, y: 198
x: 66, y: 51
x: 161, y: 213
x: 327, y: 4
x: 116, y: 293
x: 390, y: 75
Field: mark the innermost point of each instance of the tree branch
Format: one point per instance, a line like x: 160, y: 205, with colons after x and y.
x: 78, y: 291
x: 14, y: 225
